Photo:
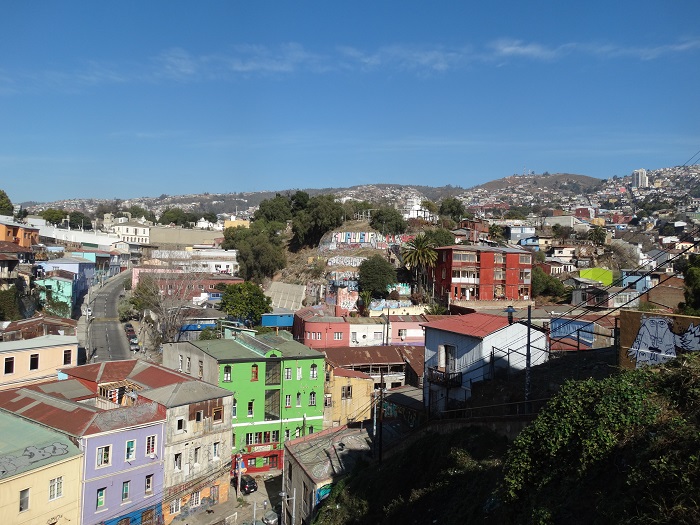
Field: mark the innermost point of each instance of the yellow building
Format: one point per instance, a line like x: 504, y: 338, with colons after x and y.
x: 40, y: 474
x: 348, y: 396
x: 28, y: 361
x: 235, y: 223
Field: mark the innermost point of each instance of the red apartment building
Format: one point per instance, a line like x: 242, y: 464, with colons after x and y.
x: 482, y: 273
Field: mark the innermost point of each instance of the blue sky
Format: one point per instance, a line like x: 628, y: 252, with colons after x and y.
x: 132, y: 98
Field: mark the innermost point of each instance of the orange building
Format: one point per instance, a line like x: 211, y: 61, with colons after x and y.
x: 21, y: 234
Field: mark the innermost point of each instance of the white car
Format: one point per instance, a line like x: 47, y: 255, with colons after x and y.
x: 88, y: 311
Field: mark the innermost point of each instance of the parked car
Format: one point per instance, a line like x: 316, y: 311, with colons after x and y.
x: 134, y: 347
x: 248, y: 484
x: 134, y: 340
x: 128, y: 325
x: 270, y: 518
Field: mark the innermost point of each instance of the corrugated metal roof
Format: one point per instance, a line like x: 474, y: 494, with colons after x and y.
x: 364, y: 355
x: 474, y: 324
x: 38, y: 342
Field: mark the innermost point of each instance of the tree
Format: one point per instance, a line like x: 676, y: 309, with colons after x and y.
x: 430, y: 206
x: 6, y: 207
x: 546, y: 285
x: 77, y: 220
x: 440, y: 237
x: 419, y: 254
x: 321, y: 214
x: 452, y: 207
x: 166, y: 310
x: 597, y: 235
x: 208, y: 334
x: 245, y: 302
x: 177, y: 216
x: 388, y: 220
x: 278, y: 209
x: 691, y: 278
x: 260, y: 251
x: 53, y: 216
x: 496, y: 233
x: 376, y: 274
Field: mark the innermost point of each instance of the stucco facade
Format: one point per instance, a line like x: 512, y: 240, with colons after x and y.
x: 28, y: 361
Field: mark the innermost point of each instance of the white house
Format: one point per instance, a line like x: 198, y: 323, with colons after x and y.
x: 463, y: 349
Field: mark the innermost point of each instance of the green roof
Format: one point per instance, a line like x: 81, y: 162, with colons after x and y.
x: 247, y: 348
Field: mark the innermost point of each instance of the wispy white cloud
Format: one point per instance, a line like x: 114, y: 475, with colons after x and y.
x: 249, y: 60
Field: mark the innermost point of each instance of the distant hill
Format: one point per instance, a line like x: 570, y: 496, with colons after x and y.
x: 563, y: 181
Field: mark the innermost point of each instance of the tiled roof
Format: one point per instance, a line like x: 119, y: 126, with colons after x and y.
x: 475, y: 324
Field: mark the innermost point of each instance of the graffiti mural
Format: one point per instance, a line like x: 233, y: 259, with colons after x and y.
x: 354, y: 240
x: 11, y: 464
x: 653, y: 339
x: 341, y: 260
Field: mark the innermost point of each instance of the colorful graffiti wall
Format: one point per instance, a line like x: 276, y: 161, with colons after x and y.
x: 348, y: 240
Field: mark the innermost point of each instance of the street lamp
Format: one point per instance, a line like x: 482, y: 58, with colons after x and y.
x: 285, y: 499
x: 510, y: 310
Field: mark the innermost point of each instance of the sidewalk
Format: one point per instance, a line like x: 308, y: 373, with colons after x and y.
x: 232, y: 513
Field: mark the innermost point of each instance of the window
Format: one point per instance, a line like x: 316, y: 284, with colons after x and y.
x: 251, y: 463
x: 201, y: 369
x: 286, y: 435
x: 23, y: 500
x: 130, y: 450
x: 9, y: 365
x: 275, y: 436
x: 287, y: 373
x: 346, y: 392
x: 125, y: 490
x: 104, y: 456
x: 312, y: 399
x: 524, y: 259
x: 327, y: 400
x: 288, y: 401
x: 55, y: 488
x: 249, y: 438
x: 101, y: 493
x: 377, y: 336
x: 234, y: 408
x: 198, y: 416
x: 353, y: 337
x: 148, y: 489
x: 338, y: 336
x: 67, y: 357
x: 299, y: 373
x: 194, y: 500
x: 178, y: 461
x: 189, y: 365
x: 314, y: 371
x: 150, y: 445
x: 250, y: 408
x: 216, y: 449
x: 298, y: 399
x: 297, y: 432
x: 311, y: 430
x: 34, y: 362
x: 402, y: 333
x: 227, y: 374
x: 175, y: 506
x: 254, y: 373
x: 179, y: 363
x: 180, y: 424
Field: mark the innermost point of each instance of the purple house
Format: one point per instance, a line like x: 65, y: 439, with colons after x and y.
x: 121, y: 436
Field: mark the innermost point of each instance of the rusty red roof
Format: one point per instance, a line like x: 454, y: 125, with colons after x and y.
x: 345, y: 372
x: 475, y: 324
x: 364, y: 355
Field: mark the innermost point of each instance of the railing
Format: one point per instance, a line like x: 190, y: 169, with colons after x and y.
x: 446, y: 379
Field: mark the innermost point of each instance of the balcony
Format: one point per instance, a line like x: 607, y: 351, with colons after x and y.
x: 446, y: 379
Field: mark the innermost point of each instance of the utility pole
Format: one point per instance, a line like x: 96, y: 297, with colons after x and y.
x: 374, y: 421
x: 381, y: 414
x: 527, y: 361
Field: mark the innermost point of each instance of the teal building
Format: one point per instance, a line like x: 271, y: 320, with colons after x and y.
x: 277, y: 385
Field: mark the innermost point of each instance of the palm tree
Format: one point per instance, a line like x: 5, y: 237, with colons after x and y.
x: 418, y: 255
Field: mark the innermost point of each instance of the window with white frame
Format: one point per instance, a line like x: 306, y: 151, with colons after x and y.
x: 346, y: 392
x: 234, y: 410
x: 338, y: 336
x: 175, y: 506
x: 216, y: 449
x: 288, y: 401
x: 197, y: 454
x: 275, y: 436
x: 194, y: 499
x: 126, y: 486
x: 251, y: 406
x: 55, y: 488
x: 377, y: 336
x: 104, y: 456
x: 249, y: 437
x: 327, y: 400
x: 287, y: 373
x: 299, y: 373
x: 148, y: 489
x: 298, y: 399
x: 227, y: 374
x: 314, y: 371
x: 23, y: 500
x: 312, y: 399
x: 286, y: 435
x: 100, y: 500
x: 150, y: 445
x: 180, y: 424
x: 130, y: 452
x: 177, y: 464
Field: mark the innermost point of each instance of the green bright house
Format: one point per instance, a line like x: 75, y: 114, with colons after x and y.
x: 277, y: 385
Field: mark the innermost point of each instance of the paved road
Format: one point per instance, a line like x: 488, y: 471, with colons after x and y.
x: 102, y: 333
